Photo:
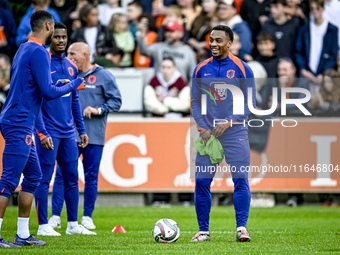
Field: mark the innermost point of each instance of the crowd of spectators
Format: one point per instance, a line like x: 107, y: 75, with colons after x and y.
x: 296, y: 41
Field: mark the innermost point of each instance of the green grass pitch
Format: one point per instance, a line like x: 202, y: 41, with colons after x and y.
x: 278, y: 230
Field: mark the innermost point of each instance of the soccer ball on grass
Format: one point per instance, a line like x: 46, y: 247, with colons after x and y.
x: 166, y: 231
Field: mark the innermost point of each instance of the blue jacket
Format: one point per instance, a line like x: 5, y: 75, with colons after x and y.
x: 329, y: 49
x: 58, y: 115
x: 8, y: 24
x: 101, y: 90
x: 244, y: 32
x: 25, y: 24
x: 30, y: 82
x: 212, y: 74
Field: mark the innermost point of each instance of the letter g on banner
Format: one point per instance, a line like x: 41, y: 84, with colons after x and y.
x: 140, y: 164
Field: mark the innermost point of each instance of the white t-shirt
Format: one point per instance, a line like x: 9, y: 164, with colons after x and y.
x: 91, y: 38
x: 105, y: 13
x: 317, y: 34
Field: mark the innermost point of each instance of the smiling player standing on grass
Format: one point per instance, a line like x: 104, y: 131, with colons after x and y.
x: 101, y: 97
x: 30, y: 83
x: 222, y: 69
x: 55, y: 127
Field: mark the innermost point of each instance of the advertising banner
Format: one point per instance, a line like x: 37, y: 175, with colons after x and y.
x: 155, y: 156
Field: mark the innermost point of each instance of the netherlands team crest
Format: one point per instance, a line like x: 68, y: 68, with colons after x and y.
x: 92, y: 79
x: 230, y: 74
x: 70, y: 71
x: 28, y: 139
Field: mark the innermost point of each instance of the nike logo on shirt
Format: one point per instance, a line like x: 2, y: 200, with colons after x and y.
x: 206, y: 74
x: 53, y: 72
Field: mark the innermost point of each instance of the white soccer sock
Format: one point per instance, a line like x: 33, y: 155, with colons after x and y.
x: 240, y: 228
x: 72, y: 224
x: 204, y: 232
x: 23, y: 230
x: 0, y: 224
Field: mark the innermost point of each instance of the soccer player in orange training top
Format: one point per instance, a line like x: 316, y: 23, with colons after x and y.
x: 30, y: 83
x: 211, y: 77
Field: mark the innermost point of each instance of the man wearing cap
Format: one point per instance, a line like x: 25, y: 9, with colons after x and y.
x: 182, y: 54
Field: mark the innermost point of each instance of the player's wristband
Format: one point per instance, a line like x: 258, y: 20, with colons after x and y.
x: 41, y: 136
x: 201, y: 130
x: 228, y: 124
x: 78, y: 84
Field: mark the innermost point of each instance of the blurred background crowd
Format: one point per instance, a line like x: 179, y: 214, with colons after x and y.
x: 288, y: 43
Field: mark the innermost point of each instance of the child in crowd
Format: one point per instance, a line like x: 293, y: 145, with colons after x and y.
x: 172, y: 14
x: 327, y: 100
x: 124, y: 39
x: 236, y: 46
x: 267, y: 57
x: 106, y: 10
x: 134, y: 11
x: 294, y: 10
